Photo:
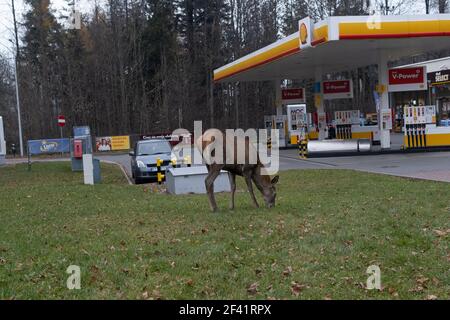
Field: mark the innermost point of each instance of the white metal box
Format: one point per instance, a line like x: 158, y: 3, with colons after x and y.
x: 192, y: 181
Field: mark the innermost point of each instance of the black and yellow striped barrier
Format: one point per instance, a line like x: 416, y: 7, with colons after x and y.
x: 269, y: 144
x: 161, y: 176
x: 303, y: 149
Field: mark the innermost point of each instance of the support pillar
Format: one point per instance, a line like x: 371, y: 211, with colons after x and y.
x: 319, y: 104
x: 383, y: 81
x: 278, y: 98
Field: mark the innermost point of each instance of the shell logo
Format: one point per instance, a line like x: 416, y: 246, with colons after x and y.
x: 303, y: 34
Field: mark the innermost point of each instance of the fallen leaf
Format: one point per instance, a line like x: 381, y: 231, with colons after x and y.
x: 145, y: 295
x: 422, y: 281
x: 253, y: 288
x: 441, y: 233
x: 287, y: 272
x: 156, y: 295
x: 296, y: 288
x: 417, y: 289
x: 436, y: 282
x: 432, y: 297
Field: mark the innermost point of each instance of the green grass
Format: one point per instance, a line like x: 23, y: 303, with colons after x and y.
x: 328, y: 228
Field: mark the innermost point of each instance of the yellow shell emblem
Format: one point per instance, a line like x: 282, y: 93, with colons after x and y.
x: 303, y: 34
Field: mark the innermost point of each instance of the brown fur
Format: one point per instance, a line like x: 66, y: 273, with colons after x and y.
x: 250, y: 172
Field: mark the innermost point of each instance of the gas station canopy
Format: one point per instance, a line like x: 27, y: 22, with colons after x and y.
x: 339, y: 44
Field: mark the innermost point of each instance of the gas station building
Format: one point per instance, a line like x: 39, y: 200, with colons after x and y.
x: 412, y: 100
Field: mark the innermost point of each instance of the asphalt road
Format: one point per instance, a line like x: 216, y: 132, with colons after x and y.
x: 430, y: 166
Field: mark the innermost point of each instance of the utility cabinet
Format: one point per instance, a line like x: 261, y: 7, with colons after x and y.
x: 192, y: 181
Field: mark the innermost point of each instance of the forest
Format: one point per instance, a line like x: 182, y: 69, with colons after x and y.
x: 146, y: 66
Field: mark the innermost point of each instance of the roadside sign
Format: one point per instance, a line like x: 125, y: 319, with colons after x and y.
x: 408, y: 79
x: 340, y: 89
x: 291, y: 96
x: 439, y: 78
x: 61, y: 121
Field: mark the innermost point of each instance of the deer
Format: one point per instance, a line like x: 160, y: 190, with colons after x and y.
x: 251, y: 172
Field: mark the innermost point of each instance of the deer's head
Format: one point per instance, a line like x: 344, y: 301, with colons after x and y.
x: 269, y: 191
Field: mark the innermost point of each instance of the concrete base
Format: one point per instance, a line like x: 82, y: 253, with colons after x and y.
x: 77, y: 165
x: 385, y: 139
x: 2, y: 160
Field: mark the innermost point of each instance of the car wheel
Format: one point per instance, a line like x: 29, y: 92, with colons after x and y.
x: 138, y: 181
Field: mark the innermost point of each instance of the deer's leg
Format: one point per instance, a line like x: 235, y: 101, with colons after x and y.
x: 209, y: 183
x: 232, y: 177
x: 248, y: 180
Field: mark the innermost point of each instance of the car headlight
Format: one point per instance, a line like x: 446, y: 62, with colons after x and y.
x: 141, y: 165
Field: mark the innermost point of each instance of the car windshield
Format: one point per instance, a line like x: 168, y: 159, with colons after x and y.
x: 151, y: 148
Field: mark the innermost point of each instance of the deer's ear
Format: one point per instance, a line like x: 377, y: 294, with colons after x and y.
x: 275, y: 180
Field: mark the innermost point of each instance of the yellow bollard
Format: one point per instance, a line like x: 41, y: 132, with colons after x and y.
x: 300, y: 148
x: 160, y: 176
x: 304, y: 149
x: 188, y: 161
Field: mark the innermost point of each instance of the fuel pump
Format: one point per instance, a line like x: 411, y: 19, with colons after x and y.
x: 344, y: 123
x: 297, y: 123
x: 416, y: 120
x: 281, y: 126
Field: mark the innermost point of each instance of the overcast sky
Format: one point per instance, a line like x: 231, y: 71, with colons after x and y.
x: 6, y: 21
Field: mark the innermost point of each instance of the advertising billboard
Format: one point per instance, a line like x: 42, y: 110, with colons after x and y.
x: 408, y: 79
x: 339, y: 89
x: 291, y: 96
x: 113, y: 143
x: 48, y: 146
x: 439, y: 78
